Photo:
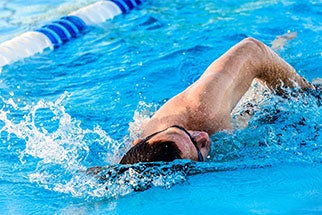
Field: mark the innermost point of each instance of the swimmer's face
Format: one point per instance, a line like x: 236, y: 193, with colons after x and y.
x: 190, y: 143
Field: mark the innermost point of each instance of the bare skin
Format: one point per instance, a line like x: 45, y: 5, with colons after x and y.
x: 205, y: 107
x: 281, y: 40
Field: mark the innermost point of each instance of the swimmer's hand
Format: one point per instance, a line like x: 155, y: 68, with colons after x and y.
x: 317, y: 91
x: 280, y: 41
x: 317, y: 82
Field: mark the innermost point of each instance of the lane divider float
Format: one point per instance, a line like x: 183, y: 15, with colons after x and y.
x: 57, y: 33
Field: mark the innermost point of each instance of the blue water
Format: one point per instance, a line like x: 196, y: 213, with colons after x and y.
x: 80, y: 105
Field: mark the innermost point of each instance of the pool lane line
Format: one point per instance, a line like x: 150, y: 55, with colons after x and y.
x: 59, y: 32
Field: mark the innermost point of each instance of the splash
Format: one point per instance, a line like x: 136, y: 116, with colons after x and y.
x: 59, y: 152
x: 143, y: 113
x: 55, y: 144
x: 60, y: 146
x: 279, y: 130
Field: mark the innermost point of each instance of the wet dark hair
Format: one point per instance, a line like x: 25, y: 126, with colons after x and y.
x: 158, y: 151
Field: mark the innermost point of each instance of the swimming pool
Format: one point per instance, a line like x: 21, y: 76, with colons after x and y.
x: 67, y: 110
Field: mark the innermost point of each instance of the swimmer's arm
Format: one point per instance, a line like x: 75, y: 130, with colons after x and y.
x: 229, y: 77
x: 251, y: 59
x: 277, y: 74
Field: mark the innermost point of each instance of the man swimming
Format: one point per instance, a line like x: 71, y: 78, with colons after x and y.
x: 180, y: 129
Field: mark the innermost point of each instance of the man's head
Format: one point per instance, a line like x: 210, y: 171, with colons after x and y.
x: 169, y: 144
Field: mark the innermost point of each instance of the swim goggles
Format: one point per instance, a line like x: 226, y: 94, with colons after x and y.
x: 193, y: 140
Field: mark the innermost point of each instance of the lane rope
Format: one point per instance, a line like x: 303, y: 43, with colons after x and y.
x: 59, y: 32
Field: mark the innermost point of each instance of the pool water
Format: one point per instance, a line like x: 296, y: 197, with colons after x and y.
x: 80, y: 106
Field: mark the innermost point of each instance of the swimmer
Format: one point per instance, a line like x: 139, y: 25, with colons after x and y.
x: 180, y: 129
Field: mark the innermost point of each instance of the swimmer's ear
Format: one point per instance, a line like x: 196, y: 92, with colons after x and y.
x: 136, y: 141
